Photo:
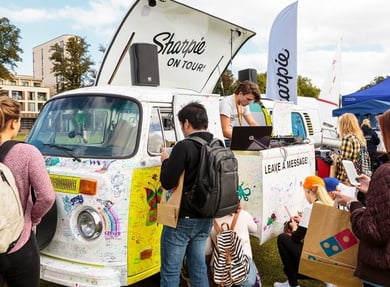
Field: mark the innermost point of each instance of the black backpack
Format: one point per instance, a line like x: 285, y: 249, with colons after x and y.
x: 214, y: 193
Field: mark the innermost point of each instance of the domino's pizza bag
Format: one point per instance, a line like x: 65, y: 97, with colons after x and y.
x: 330, y: 248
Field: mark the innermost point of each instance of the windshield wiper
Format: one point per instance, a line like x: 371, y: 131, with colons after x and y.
x: 67, y: 150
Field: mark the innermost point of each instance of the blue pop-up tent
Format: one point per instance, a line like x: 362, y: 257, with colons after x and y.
x: 380, y: 91
x: 366, y: 109
x: 370, y: 107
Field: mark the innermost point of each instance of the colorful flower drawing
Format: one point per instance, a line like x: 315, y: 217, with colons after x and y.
x: 153, y: 196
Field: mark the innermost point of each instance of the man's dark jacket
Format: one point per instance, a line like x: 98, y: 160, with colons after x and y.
x: 372, y: 226
x: 184, y: 157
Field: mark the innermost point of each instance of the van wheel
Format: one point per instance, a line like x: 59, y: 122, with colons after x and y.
x: 47, y: 227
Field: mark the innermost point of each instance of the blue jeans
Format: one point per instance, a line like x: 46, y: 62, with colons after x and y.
x: 188, y: 238
x: 251, y: 280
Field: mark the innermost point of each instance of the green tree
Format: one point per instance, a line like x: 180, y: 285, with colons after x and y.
x: 262, y: 82
x: 224, y: 83
x: 376, y: 80
x: 305, y: 88
x: 9, y: 48
x: 72, y: 64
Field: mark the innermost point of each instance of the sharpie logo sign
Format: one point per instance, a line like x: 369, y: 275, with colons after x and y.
x: 282, y: 74
x: 177, y: 50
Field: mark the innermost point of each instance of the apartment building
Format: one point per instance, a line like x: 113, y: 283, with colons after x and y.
x: 30, y: 93
x: 42, y: 64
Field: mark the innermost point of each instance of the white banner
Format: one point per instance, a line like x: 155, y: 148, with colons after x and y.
x: 282, y: 56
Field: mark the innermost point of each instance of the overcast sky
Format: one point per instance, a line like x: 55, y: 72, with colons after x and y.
x: 363, y: 26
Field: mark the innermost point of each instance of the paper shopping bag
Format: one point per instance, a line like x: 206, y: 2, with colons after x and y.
x: 330, y: 248
x: 169, y: 206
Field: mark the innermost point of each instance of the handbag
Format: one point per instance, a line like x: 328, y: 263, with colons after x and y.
x: 330, y: 248
x: 169, y: 207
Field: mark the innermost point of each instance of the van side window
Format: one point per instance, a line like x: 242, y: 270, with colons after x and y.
x: 298, y: 128
x: 155, y: 137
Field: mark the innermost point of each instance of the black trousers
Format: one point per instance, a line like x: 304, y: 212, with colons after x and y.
x: 22, y: 268
x: 290, y: 253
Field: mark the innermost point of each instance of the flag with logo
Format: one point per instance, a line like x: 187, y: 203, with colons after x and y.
x: 282, y: 56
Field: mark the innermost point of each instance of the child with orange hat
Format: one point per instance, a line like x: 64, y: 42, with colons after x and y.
x: 290, y: 246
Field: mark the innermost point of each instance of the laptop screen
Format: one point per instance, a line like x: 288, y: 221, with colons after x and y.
x: 251, y: 137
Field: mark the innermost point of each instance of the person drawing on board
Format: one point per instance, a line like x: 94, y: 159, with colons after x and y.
x: 232, y: 109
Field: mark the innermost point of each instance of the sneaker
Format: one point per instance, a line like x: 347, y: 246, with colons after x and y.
x: 283, y: 284
x: 330, y: 285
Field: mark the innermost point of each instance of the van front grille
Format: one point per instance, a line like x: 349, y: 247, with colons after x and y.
x: 67, y: 184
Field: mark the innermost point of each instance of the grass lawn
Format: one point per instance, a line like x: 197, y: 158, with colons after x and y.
x: 270, y: 266
x: 267, y: 261
x: 21, y: 136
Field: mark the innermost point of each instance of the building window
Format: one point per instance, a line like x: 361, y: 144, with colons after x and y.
x: 40, y: 105
x: 25, y: 84
x: 31, y: 107
x: 42, y: 96
x: 17, y: 95
x: 37, y: 84
x: 31, y: 96
x: 12, y: 83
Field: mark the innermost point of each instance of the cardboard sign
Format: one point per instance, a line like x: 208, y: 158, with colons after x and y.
x: 169, y: 206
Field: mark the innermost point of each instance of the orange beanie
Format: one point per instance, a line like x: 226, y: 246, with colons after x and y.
x: 310, y: 181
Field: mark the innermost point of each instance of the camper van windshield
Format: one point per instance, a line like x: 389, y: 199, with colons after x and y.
x: 93, y: 126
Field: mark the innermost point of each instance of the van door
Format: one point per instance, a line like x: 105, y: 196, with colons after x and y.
x: 210, y: 102
x: 144, y: 232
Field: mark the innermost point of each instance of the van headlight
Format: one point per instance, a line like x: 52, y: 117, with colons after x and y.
x: 89, y: 224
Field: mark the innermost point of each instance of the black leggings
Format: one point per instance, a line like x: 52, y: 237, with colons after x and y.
x: 290, y: 253
x: 22, y: 268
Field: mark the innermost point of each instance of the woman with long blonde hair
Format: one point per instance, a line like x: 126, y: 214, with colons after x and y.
x: 290, y: 246
x: 352, y: 141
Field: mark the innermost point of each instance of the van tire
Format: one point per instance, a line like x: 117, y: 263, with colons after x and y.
x: 47, y: 227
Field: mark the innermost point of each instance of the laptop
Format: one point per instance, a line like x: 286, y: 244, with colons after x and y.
x: 251, y: 137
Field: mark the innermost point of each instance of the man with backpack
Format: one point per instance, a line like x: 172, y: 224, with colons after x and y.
x: 189, y: 237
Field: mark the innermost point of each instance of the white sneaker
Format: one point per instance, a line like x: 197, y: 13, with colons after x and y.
x: 330, y: 285
x: 283, y: 284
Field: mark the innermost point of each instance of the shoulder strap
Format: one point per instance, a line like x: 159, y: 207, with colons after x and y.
x: 6, y: 147
x: 203, y: 141
x: 198, y: 140
x: 235, y: 219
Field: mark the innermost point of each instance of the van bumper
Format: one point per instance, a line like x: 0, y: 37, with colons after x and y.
x: 74, y: 274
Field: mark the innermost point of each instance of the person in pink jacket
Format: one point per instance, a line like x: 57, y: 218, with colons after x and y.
x: 20, y: 266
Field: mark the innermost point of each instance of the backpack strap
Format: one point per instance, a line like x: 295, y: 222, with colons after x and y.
x: 202, y: 141
x: 198, y: 140
x: 6, y: 147
x: 236, y: 214
x: 232, y: 225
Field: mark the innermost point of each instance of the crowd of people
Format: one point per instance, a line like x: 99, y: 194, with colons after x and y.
x: 369, y: 215
x: 193, y: 236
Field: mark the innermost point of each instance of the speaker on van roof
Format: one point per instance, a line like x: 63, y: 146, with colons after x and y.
x: 248, y: 74
x: 144, y: 64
